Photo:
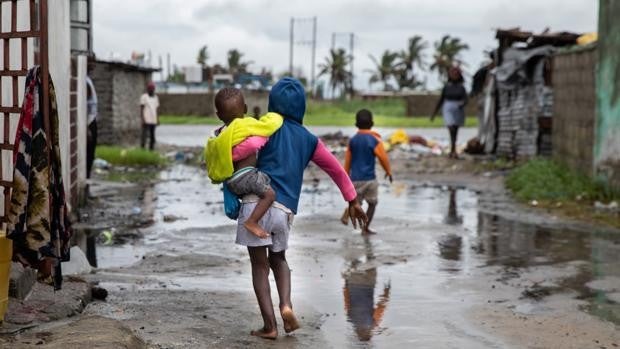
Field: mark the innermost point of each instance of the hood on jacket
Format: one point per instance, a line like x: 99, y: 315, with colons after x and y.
x: 288, y: 98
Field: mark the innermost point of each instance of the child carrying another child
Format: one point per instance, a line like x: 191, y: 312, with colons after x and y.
x: 232, y: 152
x: 360, y: 162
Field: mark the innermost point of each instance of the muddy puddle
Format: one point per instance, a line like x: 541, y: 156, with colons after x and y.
x: 437, y: 255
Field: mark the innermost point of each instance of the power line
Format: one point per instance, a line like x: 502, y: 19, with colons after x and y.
x: 312, y: 43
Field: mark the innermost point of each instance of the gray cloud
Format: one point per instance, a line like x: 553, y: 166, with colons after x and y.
x: 260, y: 28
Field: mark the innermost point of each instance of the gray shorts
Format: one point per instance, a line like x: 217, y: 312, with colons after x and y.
x: 276, y: 221
x: 367, y: 191
x: 251, y: 181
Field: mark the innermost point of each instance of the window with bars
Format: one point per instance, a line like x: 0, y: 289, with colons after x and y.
x: 81, y: 27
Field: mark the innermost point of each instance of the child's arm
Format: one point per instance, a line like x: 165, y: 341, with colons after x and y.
x: 328, y: 163
x: 248, y: 147
x: 384, y: 160
x: 347, y: 160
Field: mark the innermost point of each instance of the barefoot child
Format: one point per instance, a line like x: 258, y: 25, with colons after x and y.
x: 231, y: 154
x: 284, y: 158
x: 359, y: 163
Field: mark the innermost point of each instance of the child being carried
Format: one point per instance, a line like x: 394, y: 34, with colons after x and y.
x: 231, y: 153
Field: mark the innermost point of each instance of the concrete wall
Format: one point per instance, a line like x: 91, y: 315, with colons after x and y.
x: 60, y: 71
x: 607, y: 131
x: 118, y: 92
x: 128, y: 87
x: 424, y: 105
x: 574, y: 110
x: 102, y: 79
x: 81, y: 122
x: 202, y: 103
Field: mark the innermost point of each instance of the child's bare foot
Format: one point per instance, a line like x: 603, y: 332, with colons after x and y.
x: 289, y: 319
x: 367, y: 231
x: 262, y: 333
x: 345, y: 217
x: 255, y: 229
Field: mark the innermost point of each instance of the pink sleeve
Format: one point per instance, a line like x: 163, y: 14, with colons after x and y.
x: 328, y: 163
x: 248, y: 147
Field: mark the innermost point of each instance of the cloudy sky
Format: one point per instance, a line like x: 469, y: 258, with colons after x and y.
x: 260, y: 28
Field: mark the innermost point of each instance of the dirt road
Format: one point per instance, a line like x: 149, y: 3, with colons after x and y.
x: 455, y: 264
x: 445, y: 271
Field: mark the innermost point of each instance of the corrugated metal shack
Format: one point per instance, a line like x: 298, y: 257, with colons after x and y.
x: 523, y: 91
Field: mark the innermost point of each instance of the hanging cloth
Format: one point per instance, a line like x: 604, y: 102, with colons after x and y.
x: 37, y: 218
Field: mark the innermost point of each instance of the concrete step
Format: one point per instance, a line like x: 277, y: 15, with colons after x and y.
x: 21, y: 281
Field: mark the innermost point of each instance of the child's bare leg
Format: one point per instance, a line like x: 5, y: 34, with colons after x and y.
x: 260, y: 281
x: 251, y: 224
x: 370, y: 213
x: 282, y: 274
x: 345, y: 217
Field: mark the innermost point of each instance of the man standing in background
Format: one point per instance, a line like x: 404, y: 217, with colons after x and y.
x: 148, y: 111
x: 91, y: 111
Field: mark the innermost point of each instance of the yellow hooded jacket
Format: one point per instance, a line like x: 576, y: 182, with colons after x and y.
x: 218, y: 152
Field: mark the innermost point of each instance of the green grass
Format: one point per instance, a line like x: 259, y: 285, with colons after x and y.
x: 387, y: 113
x: 129, y: 156
x: 541, y: 179
x: 188, y: 120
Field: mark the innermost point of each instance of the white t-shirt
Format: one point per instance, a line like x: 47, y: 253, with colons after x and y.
x: 149, y: 115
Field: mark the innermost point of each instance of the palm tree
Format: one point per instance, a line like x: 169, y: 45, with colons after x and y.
x: 235, y: 65
x: 384, y: 69
x: 409, y: 58
x: 203, y: 56
x: 447, y: 54
x: 336, y: 67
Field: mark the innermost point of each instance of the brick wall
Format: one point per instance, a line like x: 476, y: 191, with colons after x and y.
x: 201, y: 104
x: 424, y: 105
x: 118, y: 93
x: 127, y: 122
x: 102, y: 79
x: 574, y: 111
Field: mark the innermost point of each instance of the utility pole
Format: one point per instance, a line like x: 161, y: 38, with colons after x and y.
x: 292, y: 43
x: 351, y: 36
x: 312, y: 72
x: 168, y: 65
x: 352, y: 39
x: 312, y: 43
x: 161, y: 67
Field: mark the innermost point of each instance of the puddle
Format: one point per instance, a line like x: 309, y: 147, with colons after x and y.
x: 367, y: 294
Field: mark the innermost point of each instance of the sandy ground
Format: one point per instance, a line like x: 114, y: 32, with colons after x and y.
x: 456, y: 264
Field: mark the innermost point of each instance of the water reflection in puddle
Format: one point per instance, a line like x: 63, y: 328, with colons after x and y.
x: 360, y: 282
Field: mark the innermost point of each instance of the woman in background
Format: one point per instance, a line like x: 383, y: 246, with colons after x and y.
x: 452, y: 103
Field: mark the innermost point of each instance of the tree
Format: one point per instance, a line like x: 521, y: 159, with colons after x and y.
x: 336, y: 67
x: 177, y: 75
x: 235, y: 65
x: 447, y: 55
x: 384, y: 69
x: 409, y: 58
x: 203, y: 56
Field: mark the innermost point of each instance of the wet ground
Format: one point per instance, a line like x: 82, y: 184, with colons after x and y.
x: 451, y: 267
x: 194, y: 135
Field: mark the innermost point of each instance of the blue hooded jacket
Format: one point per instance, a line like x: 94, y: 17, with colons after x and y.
x: 285, y: 157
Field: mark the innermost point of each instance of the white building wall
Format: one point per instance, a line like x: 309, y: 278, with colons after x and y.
x: 60, y: 70
x: 81, y: 119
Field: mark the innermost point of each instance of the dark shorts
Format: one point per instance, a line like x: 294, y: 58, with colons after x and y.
x: 249, y: 182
